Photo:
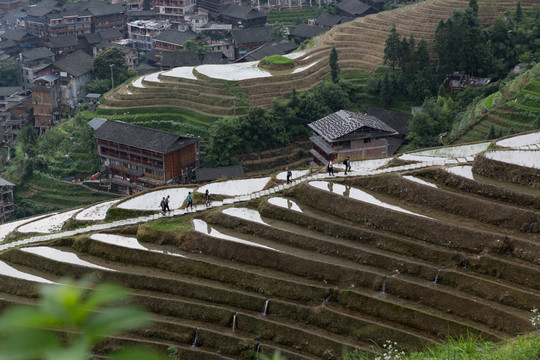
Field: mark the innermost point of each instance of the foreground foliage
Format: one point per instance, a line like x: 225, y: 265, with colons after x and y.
x: 68, y: 321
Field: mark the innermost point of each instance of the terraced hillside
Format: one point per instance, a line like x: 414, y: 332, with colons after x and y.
x: 360, y: 45
x: 329, y: 264
x: 516, y: 107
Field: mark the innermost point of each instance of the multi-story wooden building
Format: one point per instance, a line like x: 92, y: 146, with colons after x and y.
x: 345, y: 133
x: 143, y: 32
x: 46, y: 101
x: 242, y: 17
x: 171, y: 41
x: 34, y: 64
x: 144, y: 156
x: 6, y: 200
x: 9, y: 5
x: 174, y: 10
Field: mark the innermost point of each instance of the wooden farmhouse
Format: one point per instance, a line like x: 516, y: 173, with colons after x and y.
x: 143, y: 156
x: 345, y: 133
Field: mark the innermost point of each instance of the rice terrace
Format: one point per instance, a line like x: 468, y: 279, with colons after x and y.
x: 438, y: 243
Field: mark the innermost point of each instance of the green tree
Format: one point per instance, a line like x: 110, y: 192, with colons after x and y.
x: 334, y: 66
x: 9, y: 73
x: 392, y: 49
x: 112, y: 56
x: 386, y: 95
x: 473, y: 5
x: 190, y: 45
x: 68, y: 321
x: 519, y: 12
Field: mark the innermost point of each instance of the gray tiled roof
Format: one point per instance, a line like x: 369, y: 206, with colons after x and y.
x: 9, y: 90
x: 214, y: 58
x: 61, y: 42
x: 343, y: 122
x: 353, y: 7
x: 396, y: 120
x: 176, y: 37
x: 110, y: 34
x: 38, y: 53
x: 251, y: 36
x: 143, y: 138
x: 306, y: 31
x: 76, y: 64
x: 16, y: 35
x: 4, y: 182
x: 328, y: 20
x: 6, y: 44
x: 106, y: 9
x: 241, y: 12
x: 280, y: 47
x: 179, y: 58
x: 210, y: 174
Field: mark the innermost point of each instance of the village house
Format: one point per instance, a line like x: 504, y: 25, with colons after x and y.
x: 6, y: 200
x: 46, y: 102
x: 345, y: 133
x: 249, y: 39
x: 143, y: 32
x: 15, y: 41
x: 327, y: 20
x: 174, y: 10
x: 304, y: 32
x: 11, y: 124
x: 171, y: 41
x: 242, y: 16
x: 213, y: 7
x: 459, y: 81
x: 34, y: 64
x: 354, y: 8
x: 62, y: 45
x: 9, y: 5
x: 142, y: 156
x: 279, y: 47
x: 74, y: 71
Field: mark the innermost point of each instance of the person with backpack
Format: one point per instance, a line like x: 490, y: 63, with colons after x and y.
x: 207, y: 196
x: 289, y: 176
x: 347, y: 163
x: 166, y: 207
x: 162, y: 205
x: 331, y: 168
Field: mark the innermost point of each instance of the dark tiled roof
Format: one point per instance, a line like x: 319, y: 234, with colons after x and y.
x: 280, y: 47
x: 38, y: 53
x: 16, y: 35
x: 353, y: 7
x: 251, y: 36
x: 393, y: 144
x: 214, y: 58
x: 92, y: 39
x: 396, y: 120
x: 6, y: 44
x: 110, y: 34
x: 103, y: 9
x: 142, y: 138
x: 141, y: 14
x: 328, y: 20
x: 172, y: 59
x: 343, y: 122
x: 176, y: 37
x: 61, y: 42
x: 9, y: 90
x: 306, y: 31
x: 76, y: 64
x: 241, y: 12
x: 210, y: 174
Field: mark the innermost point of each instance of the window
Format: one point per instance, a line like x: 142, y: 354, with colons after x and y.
x: 367, y: 140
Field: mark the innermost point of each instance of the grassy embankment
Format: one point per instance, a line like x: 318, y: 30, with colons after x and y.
x: 514, y: 108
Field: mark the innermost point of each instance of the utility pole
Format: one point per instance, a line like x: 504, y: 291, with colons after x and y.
x: 112, y: 78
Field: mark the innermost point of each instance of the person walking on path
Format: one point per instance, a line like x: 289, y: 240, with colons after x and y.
x: 162, y: 204
x: 167, y: 204
x: 289, y: 175
x: 347, y: 163
x: 330, y: 168
x: 189, y: 201
x: 207, y: 197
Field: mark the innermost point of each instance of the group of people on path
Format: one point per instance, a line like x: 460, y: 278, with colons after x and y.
x: 346, y: 162
x: 165, y: 202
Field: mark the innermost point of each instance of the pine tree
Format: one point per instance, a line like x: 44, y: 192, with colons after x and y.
x: 491, y: 132
x: 386, y: 91
x: 334, y: 67
x: 519, y: 12
x: 473, y: 4
x: 392, y: 49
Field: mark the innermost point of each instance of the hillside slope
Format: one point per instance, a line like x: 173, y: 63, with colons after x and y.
x: 514, y: 108
x: 360, y: 45
x: 409, y: 253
